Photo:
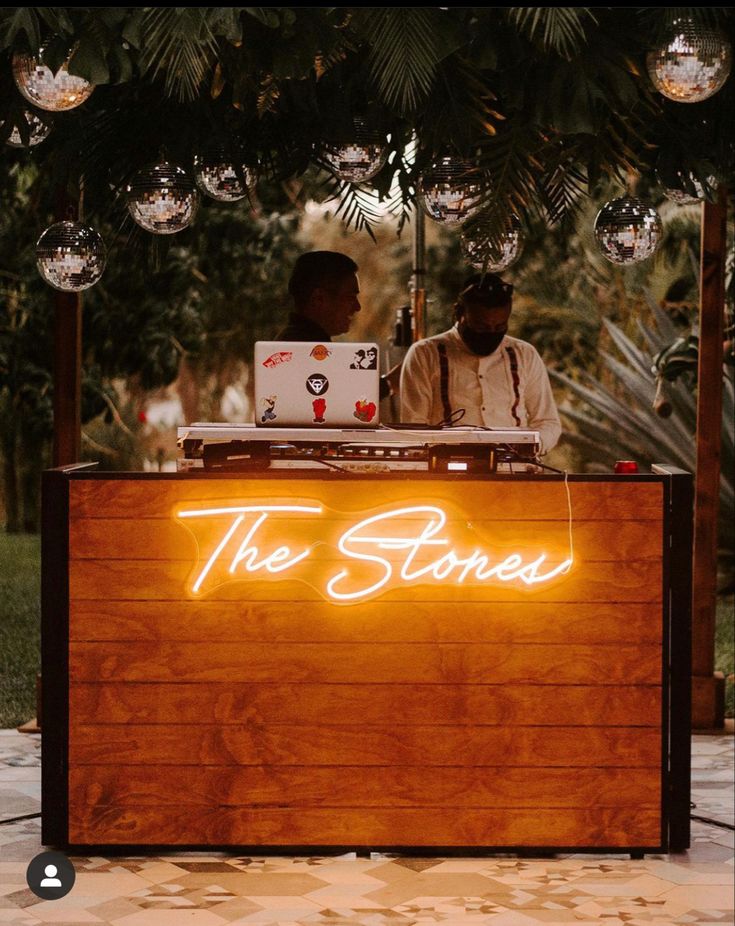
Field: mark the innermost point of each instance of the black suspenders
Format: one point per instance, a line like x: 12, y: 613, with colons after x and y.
x: 444, y: 381
x: 516, y: 383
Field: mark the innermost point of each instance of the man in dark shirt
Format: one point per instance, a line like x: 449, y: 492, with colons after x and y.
x: 325, y: 289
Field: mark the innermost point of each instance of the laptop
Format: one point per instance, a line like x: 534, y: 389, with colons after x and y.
x: 307, y: 384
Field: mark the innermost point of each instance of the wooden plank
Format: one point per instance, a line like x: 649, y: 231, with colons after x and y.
x: 162, y: 539
x: 366, y: 662
x: 490, y: 788
x: 709, y: 451
x: 385, y: 745
x: 389, y: 622
x: 232, y: 703
x: 501, y: 500
x: 394, y: 827
x: 169, y: 581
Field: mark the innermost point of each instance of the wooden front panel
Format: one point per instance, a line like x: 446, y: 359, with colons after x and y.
x: 220, y: 697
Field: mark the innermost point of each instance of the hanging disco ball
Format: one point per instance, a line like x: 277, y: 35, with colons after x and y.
x: 216, y: 176
x: 449, y: 190
x: 628, y: 230
x: 162, y: 198
x: 46, y: 90
x: 479, y: 251
x: 692, y: 65
x: 70, y: 256
x: 40, y: 130
x: 358, y: 158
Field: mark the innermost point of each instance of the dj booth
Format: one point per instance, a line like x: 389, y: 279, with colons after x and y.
x: 406, y: 640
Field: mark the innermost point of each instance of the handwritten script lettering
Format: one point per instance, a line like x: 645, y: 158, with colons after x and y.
x: 395, y: 547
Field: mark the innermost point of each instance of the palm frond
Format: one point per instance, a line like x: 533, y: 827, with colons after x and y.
x: 510, y: 162
x: 357, y: 207
x: 179, y: 43
x: 560, y: 29
x: 268, y: 95
x: 404, y: 54
x: 562, y: 189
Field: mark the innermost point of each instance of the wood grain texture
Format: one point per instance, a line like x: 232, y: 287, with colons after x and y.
x: 406, y: 663
x: 397, y: 786
x: 391, y: 827
x: 384, y: 745
x: 237, y: 703
x: 505, y: 500
x: 528, y: 621
x: 259, y: 713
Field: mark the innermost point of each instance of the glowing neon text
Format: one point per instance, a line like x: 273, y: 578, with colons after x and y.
x: 240, y: 550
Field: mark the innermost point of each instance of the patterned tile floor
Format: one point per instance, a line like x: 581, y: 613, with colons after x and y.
x: 211, y: 889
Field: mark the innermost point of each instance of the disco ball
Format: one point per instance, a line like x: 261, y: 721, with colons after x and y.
x: 46, y: 90
x: 216, y: 176
x: 479, y: 251
x: 628, y: 230
x: 358, y: 158
x: 692, y: 64
x: 39, y: 131
x: 70, y: 256
x: 162, y: 198
x: 449, y: 190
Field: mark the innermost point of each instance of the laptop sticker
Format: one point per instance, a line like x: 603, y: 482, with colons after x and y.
x: 281, y: 356
x: 320, y: 352
x: 365, y: 359
x: 268, y: 403
x: 317, y: 384
x: 319, y: 406
x: 364, y: 410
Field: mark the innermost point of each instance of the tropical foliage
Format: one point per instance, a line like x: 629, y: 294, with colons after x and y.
x: 616, y: 420
x: 546, y: 101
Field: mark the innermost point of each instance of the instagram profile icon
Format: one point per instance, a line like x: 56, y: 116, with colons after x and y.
x: 50, y: 875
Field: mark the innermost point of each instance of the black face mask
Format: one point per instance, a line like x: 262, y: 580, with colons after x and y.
x: 480, y: 342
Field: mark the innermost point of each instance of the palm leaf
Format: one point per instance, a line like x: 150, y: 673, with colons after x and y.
x: 179, y: 43
x: 405, y: 52
x: 560, y: 29
x: 357, y: 207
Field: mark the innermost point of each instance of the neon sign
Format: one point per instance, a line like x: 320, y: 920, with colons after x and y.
x: 396, y: 547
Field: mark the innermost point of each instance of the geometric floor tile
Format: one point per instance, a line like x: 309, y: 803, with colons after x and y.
x: 217, y: 888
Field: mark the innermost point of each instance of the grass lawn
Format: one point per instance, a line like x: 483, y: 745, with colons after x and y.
x: 20, y: 626
x: 20, y: 631
x: 725, y: 649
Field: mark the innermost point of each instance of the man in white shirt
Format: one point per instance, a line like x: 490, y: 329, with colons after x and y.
x: 499, y: 381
